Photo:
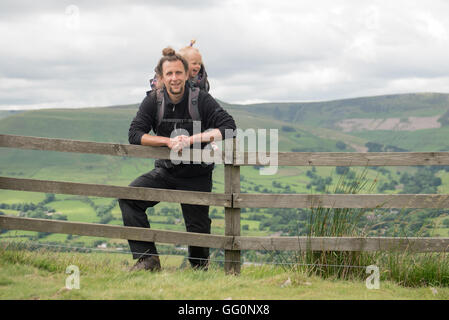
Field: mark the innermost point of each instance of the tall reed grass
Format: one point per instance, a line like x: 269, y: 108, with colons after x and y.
x: 403, y: 267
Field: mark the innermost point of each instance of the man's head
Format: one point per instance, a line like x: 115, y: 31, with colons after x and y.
x: 172, y: 70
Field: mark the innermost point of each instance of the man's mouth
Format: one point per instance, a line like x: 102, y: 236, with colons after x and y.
x: 176, y: 87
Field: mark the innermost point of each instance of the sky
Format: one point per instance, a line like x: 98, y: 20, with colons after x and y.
x: 69, y: 54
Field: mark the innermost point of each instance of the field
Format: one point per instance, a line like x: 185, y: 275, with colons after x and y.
x: 41, y: 275
x: 302, y: 127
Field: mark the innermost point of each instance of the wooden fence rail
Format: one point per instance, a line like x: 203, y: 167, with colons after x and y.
x: 232, y: 200
x: 240, y: 159
x: 101, y: 190
x: 232, y: 243
x: 245, y: 200
x: 347, y: 159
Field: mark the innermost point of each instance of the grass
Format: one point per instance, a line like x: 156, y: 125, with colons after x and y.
x: 104, y: 125
x: 405, y: 268
x: 337, y: 222
x: 41, y: 275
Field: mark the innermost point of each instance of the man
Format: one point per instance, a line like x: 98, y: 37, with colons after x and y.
x: 163, y: 111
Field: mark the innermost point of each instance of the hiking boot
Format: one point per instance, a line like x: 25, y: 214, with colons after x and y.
x: 151, y: 263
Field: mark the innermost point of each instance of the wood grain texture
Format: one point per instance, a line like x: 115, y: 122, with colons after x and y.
x: 343, y: 244
x: 245, y: 200
x: 99, y: 190
x: 118, y: 232
x: 112, y: 149
x: 232, y: 217
x: 350, y: 158
x: 229, y: 243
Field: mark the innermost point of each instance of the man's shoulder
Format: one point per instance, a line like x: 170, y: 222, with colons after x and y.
x: 151, y: 96
x: 205, y: 97
x: 149, y: 103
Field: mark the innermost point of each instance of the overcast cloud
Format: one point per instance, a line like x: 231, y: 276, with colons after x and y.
x: 254, y: 51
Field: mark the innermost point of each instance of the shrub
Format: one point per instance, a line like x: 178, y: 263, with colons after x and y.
x: 288, y: 129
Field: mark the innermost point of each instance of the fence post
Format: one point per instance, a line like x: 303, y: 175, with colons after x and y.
x: 232, y: 215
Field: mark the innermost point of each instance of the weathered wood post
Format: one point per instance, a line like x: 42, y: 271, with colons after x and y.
x: 232, y: 215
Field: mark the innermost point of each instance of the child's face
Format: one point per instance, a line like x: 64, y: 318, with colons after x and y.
x: 194, y: 59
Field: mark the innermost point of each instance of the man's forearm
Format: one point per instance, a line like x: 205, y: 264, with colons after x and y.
x: 212, y: 135
x: 154, y: 141
x: 158, y: 141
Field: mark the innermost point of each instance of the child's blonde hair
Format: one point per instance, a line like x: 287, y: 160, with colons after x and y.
x: 188, y: 49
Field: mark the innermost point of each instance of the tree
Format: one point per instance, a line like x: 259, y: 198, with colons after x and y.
x: 374, y: 147
x: 341, y: 170
x: 288, y: 129
x: 340, y: 145
x: 49, y: 197
x: 446, y: 222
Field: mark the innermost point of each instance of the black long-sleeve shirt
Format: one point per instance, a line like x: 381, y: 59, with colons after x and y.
x: 213, y: 116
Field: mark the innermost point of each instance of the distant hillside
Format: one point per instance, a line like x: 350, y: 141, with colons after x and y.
x: 383, y: 125
x: 111, y: 124
x: 7, y: 113
x: 414, y: 122
x: 328, y: 113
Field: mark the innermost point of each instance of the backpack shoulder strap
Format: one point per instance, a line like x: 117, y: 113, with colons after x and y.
x: 193, y: 103
x: 160, y: 100
x: 204, y: 83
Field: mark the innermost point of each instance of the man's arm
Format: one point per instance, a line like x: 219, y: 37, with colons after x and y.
x: 212, y: 135
x: 142, y: 124
x: 215, y: 118
x: 143, y: 121
x: 158, y: 141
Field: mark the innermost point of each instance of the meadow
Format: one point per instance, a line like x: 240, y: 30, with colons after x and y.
x: 302, y: 127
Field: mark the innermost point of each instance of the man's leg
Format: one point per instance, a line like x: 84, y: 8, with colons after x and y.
x: 133, y: 211
x: 196, y: 218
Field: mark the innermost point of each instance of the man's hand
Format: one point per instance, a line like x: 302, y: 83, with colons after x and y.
x: 178, y: 143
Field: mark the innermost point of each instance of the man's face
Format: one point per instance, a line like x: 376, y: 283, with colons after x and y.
x: 174, y: 77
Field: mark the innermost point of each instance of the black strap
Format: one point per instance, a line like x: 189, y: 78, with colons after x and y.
x: 193, y: 104
x: 193, y: 107
x: 177, y: 120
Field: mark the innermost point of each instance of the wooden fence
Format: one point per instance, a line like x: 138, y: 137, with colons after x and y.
x: 232, y: 200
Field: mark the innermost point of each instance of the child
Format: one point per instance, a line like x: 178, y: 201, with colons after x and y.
x: 197, y: 71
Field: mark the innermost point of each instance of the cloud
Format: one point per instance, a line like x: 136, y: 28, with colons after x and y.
x: 253, y: 50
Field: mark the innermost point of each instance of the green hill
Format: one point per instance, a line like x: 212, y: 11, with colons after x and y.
x: 333, y: 115
x: 302, y: 127
x: 326, y: 113
x: 414, y: 122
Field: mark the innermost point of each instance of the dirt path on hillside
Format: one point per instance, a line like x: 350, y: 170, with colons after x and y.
x: 395, y: 124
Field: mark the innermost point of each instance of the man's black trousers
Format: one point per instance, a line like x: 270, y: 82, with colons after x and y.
x: 196, y: 217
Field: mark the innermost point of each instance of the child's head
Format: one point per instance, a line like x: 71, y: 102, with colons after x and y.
x: 193, y: 57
